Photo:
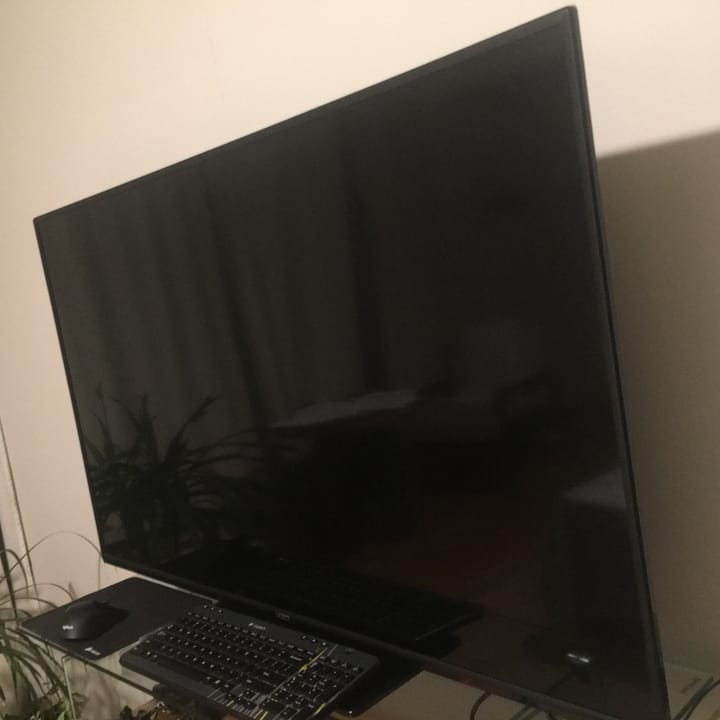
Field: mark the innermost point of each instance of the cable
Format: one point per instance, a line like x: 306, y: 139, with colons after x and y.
x: 692, y: 707
x: 477, y: 704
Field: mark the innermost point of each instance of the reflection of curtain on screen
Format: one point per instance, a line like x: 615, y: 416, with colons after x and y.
x: 263, y: 279
x: 145, y: 286
x: 288, y: 268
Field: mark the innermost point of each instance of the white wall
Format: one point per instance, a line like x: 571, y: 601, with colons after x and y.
x: 95, y: 93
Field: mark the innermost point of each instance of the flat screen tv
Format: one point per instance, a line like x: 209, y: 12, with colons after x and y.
x: 357, y: 371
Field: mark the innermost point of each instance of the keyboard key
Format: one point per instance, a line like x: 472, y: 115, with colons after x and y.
x: 273, y: 706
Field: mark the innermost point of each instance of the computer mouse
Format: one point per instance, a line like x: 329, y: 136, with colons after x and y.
x: 88, y: 619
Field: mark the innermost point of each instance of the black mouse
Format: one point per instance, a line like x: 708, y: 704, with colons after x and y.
x: 88, y: 619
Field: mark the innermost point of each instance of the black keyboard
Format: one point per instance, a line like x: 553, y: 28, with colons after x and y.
x: 249, y: 668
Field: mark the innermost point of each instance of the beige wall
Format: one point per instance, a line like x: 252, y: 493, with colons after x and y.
x: 95, y: 93
x: 662, y: 214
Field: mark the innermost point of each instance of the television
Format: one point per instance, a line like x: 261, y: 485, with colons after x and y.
x: 357, y: 372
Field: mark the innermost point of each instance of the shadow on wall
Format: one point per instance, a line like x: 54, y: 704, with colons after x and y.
x: 662, y: 214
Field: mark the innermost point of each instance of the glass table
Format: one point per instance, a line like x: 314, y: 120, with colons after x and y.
x: 108, y: 686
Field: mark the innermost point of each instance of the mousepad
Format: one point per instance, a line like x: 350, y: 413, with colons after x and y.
x: 149, y: 606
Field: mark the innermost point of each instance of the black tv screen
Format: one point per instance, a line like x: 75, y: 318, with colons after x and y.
x: 357, y: 371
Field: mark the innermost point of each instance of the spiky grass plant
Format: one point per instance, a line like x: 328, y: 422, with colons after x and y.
x: 32, y: 680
